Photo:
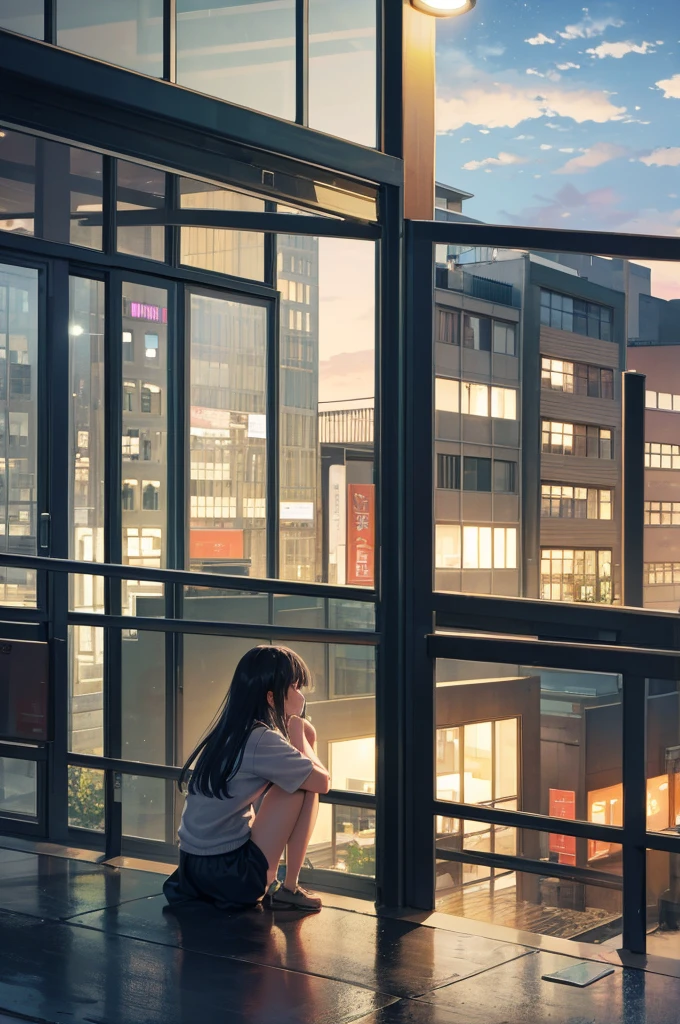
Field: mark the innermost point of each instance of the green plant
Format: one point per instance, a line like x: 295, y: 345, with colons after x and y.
x: 360, y: 860
x: 86, y: 798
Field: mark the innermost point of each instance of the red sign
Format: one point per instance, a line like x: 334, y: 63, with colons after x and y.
x: 216, y: 543
x: 563, y: 805
x: 361, y: 534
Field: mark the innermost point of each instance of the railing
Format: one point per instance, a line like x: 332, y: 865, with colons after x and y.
x: 346, y: 426
x: 457, y: 280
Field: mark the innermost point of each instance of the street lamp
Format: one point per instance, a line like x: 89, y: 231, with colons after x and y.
x: 443, y: 8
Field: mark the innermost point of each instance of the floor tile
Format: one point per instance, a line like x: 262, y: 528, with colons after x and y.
x: 57, y: 972
x: 516, y: 992
x: 389, y: 956
x: 52, y: 887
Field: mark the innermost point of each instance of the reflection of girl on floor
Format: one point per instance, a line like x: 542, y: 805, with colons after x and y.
x: 259, y: 749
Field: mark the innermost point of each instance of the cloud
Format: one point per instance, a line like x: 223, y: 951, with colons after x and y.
x: 490, y: 51
x: 568, y: 66
x: 595, y: 156
x: 539, y: 40
x: 619, y: 50
x: 484, y: 131
x: 533, y: 71
x: 589, y: 28
x: 505, y: 105
x: 668, y: 156
x: 502, y: 160
x: 467, y: 139
x: 544, y: 145
x: 568, y: 149
x: 522, y: 138
x: 671, y: 87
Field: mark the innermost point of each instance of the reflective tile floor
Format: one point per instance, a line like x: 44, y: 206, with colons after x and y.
x: 91, y: 944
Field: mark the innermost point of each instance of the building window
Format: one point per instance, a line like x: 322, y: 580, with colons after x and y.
x: 151, y: 348
x: 151, y: 490
x: 662, y: 456
x: 575, y: 315
x: 254, y: 508
x: 560, y: 501
x: 448, y: 472
x: 448, y: 327
x: 504, y: 338
x: 576, y: 378
x: 657, y: 573
x: 128, y: 347
x: 150, y: 399
x: 129, y: 389
x: 486, y: 547
x: 504, y: 477
x: 662, y: 400
x: 504, y: 403
x: 446, y: 395
x: 474, y: 399
x: 447, y: 546
x: 662, y: 513
x: 571, y: 575
x: 130, y: 445
x: 476, y: 474
x: 128, y: 495
x: 477, y: 332
x: 577, y: 439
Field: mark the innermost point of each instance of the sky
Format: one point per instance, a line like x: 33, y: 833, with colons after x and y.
x: 559, y: 115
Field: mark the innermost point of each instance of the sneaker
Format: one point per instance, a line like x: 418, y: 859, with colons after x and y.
x: 299, y: 900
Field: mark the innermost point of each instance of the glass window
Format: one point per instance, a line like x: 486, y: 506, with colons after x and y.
x: 240, y: 52
x: 18, y: 428
x: 17, y: 183
x: 86, y: 798
x: 144, y: 450
x: 476, y: 474
x: 664, y: 401
x: 475, y: 399
x: 447, y: 546
x: 504, y: 338
x: 343, y: 70
x: 571, y: 575
x: 327, y: 396
x: 567, y: 314
x: 504, y: 403
x: 448, y: 471
x: 228, y: 425
x: 27, y: 17
x: 18, y: 788
x: 556, y: 374
x: 139, y: 188
x: 128, y: 34
x: 477, y: 332
x: 448, y: 326
x: 504, y: 477
x: 477, y: 552
x: 650, y: 399
x: 447, y: 394
x: 237, y: 253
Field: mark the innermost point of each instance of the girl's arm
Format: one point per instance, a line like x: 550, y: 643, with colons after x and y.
x: 303, y: 736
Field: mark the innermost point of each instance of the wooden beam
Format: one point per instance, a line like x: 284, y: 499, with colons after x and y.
x: 419, y: 113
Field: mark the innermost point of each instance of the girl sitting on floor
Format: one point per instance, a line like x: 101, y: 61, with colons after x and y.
x: 254, y: 790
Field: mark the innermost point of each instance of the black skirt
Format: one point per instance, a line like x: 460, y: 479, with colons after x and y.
x: 231, y: 881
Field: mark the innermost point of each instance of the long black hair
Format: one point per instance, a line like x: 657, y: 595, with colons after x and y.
x: 219, y: 755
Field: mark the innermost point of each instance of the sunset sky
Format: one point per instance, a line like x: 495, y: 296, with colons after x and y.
x: 560, y: 115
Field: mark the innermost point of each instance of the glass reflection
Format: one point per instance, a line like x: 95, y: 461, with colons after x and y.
x: 27, y: 17
x: 18, y: 428
x: 327, y: 388
x: 228, y: 430
x: 144, y: 440
x: 342, y: 69
x: 139, y: 188
x: 129, y: 33
x: 237, y: 253
x: 240, y: 52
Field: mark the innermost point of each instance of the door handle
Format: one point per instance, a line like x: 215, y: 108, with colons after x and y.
x: 44, y: 530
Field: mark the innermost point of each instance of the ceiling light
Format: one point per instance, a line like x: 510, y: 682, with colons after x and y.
x: 443, y: 8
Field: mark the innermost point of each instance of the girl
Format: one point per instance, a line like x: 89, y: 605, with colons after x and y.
x: 259, y: 754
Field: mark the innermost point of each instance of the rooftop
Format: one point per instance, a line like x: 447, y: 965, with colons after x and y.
x: 93, y: 944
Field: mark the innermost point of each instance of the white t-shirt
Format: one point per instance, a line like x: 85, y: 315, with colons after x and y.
x: 212, y: 825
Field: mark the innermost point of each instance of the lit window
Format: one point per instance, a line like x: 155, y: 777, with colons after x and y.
x: 447, y: 546
x: 446, y: 395
x: 576, y: 575
x: 151, y: 346
x: 504, y: 403
x: 474, y: 399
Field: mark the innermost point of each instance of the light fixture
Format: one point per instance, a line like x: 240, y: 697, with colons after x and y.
x: 443, y: 8
x: 76, y: 330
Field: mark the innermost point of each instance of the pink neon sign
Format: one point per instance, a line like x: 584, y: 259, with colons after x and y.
x: 142, y: 311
